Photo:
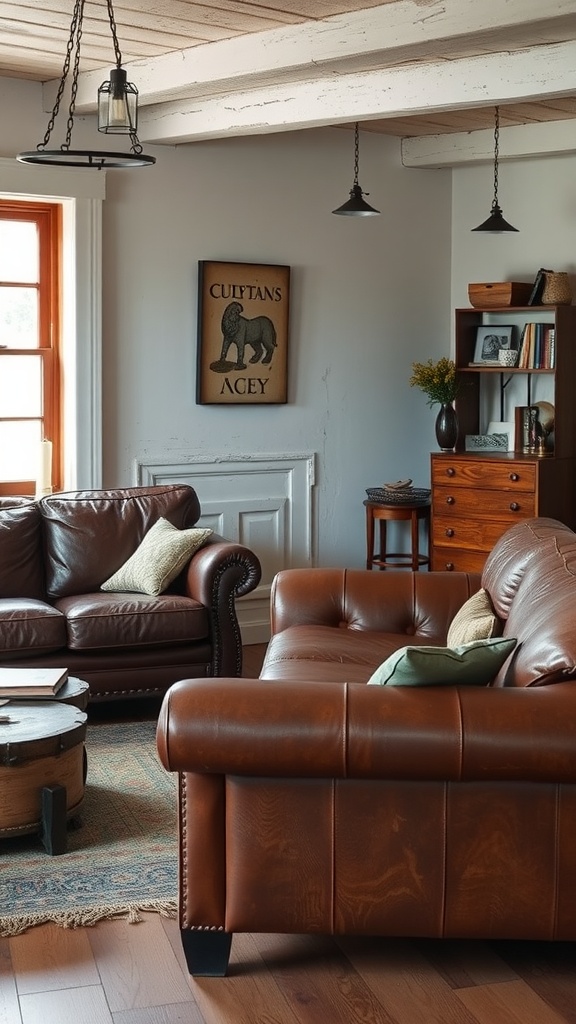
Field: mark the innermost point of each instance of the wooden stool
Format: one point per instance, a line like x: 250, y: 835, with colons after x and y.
x: 395, y: 513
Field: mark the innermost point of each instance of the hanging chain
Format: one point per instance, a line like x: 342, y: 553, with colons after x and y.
x: 112, y: 21
x: 73, y: 45
x: 356, y: 153
x: 496, y: 152
x: 75, y: 30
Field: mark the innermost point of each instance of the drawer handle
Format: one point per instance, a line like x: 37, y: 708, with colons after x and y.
x: 514, y: 477
x: 450, y: 566
x: 450, y: 500
x: 514, y: 506
x: 450, y: 472
x: 450, y: 533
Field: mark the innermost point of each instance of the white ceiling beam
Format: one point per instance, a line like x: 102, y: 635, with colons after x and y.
x: 394, y: 92
x: 551, y: 138
x: 378, y: 37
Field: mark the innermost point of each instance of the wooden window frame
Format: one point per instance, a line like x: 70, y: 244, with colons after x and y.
x: 48, y: 218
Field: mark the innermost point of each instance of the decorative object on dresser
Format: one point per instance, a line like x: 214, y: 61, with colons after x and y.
x: 477, y: 495
x: 490, y: 442
x: 439, y: 382
x: 446, y: 427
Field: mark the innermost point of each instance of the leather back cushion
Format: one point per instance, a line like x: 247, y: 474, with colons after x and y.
x: 21, y: 568
x: 89, y: 534
x: 531, y: 578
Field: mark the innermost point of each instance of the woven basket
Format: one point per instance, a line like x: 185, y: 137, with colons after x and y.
x: 406, y: 496
x: 557, y: 290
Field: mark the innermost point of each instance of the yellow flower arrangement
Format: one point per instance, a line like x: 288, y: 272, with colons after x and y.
x: 437, y: 380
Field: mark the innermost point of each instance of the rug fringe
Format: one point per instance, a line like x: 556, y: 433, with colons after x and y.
x: 85, y: 918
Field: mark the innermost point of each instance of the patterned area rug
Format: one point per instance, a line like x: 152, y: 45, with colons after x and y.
x: 122, y: 850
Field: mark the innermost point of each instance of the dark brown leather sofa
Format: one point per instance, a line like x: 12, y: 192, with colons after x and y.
x: 56, y: 553
x: 310, y: 802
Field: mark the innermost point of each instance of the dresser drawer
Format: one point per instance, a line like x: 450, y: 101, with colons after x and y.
x: 458, y: 502
x: 457, y: 560
x: 479, y: 473
x: 477, y: 534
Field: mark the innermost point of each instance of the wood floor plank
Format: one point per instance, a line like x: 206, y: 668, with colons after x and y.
x: 137, y: 965
x: 9, y: 1006
x: 249, y: 995
x: 463, y: 963
x: 512, y: 1002
x: 319, y: 982
x: 85, y: 1005
x: 405, y: 983
x: 178, y: 1013
x: 49, y: 957
x: 548, y: 968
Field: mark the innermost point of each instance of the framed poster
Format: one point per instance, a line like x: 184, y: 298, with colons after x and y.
x: 242, y: 333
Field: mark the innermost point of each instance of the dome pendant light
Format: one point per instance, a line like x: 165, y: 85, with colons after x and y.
x: 495, y: 222
x: 356, y: 206
x: 117, y: 110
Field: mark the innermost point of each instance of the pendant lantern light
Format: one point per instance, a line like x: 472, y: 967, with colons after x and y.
x: 117, y: 110
x: 356, y: 205
x: 495, y: 222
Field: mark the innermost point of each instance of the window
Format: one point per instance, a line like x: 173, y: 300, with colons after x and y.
x: 30, y: 343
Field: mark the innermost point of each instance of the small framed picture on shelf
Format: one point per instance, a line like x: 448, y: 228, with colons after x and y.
x: 490, y: 338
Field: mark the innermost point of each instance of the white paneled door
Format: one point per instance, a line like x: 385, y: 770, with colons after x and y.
x: 262, y: 501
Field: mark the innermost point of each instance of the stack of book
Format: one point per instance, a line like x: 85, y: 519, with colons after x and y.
x: 537, y: 347
x: 31, y: 682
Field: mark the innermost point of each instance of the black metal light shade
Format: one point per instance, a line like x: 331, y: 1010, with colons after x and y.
x: 117, y: 110
x: 495, y: 221
x: 117, y: 105
x: 356, y: 206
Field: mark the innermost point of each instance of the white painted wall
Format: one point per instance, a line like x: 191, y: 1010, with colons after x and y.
x: 368, y: 296
x: 538, y: 197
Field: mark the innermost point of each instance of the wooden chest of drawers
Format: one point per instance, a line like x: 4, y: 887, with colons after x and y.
x: 476, y: 498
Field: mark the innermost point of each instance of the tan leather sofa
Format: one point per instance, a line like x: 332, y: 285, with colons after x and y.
x: 312, y: 803
x: 56, y: 553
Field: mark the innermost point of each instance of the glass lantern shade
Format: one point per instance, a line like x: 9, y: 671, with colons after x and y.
x: 117, y: 105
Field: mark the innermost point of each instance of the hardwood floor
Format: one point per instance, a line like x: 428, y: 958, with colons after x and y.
x: 117, y: 973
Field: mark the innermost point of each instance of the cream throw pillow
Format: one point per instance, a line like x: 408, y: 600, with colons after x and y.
x: 474, y: 664
x: 162, y: 554
x: 476, y: 620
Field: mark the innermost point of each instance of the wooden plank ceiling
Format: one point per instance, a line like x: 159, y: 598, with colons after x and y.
x: 324, y: 60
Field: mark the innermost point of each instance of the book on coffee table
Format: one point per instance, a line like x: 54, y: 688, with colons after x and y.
x: 31, y: 682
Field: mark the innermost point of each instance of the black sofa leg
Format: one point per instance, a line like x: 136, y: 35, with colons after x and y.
x: 207, y: 953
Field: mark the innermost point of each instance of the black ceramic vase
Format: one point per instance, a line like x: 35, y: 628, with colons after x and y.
x: 446, y: 427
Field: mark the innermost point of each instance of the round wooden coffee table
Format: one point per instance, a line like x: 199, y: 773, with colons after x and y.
x: 42, y: 769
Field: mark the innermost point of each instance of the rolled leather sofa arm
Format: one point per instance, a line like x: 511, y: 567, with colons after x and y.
x: 350, y: 730
x: 219, y: 573
x: 388, y: 602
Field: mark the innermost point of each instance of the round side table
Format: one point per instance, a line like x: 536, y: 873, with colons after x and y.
x: 395, y: 513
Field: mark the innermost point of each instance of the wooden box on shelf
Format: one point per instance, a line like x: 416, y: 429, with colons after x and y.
x: 476, y: 496
x: 498, y: 293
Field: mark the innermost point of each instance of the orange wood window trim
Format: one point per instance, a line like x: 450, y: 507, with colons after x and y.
x: 48, y: 218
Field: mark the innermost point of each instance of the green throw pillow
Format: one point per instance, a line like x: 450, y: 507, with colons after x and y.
x: 162, y: 554
x: 474, y: 664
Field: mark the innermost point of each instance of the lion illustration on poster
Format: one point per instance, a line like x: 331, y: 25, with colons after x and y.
x: 258, y: 332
